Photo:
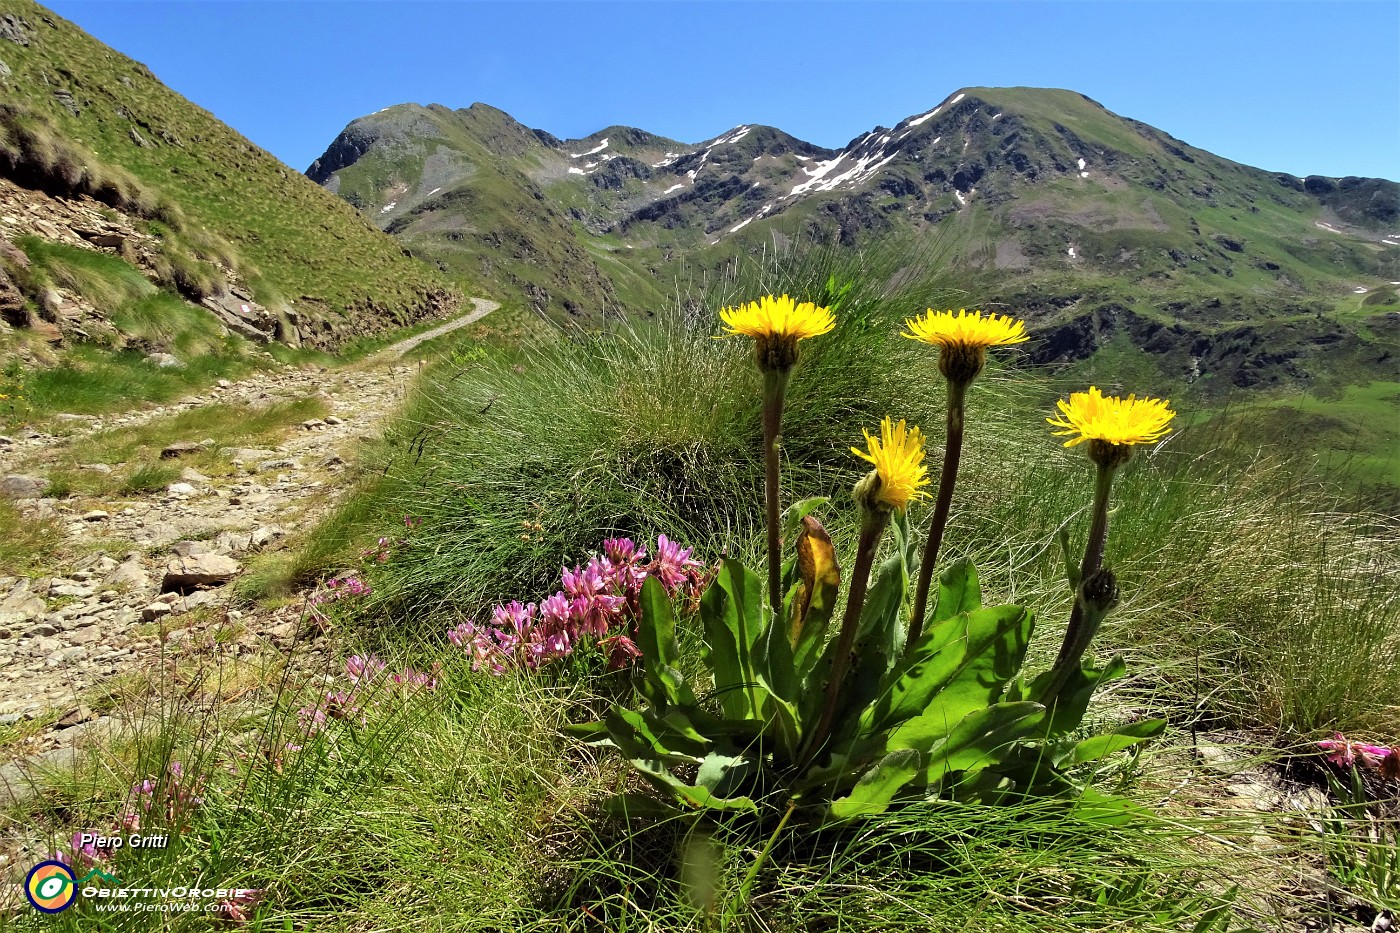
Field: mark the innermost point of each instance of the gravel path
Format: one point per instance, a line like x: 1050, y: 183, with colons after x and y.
x: 160, y: 587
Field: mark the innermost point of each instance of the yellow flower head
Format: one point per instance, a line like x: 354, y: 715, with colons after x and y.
x: 898, y: 456
x: 776, y: 324
x: 963, y: 339
x: 1111, y: 422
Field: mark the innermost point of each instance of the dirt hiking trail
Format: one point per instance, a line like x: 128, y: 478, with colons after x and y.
x: 144, y: 578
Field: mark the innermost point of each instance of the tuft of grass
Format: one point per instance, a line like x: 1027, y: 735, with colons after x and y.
x: 149, y: 477
x: 105, y: 280
x: 35, y: 153
x: 165, y: 322
x: 26, y: 541
x: 87, y: 379
x: 226, y: 424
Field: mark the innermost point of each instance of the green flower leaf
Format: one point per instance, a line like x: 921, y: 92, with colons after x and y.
x: 958, y: 592
x: 732, y: 613
x: 656, y: 637
x: 639, y: 736
x: 1067, y: 710
x: 878, y: 786
x: 960, y: 665
x: 1096, y: 747
x: 983, y: 738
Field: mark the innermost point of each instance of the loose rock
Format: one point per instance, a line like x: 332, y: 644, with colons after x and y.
x: 19, y: 486
x: 183, y: 574
x: 180, y: 449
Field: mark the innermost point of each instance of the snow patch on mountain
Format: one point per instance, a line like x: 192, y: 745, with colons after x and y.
x: 733, y: 137
x: 926, y: 117
x: 863, y: 167
x: 598, y: 148
x: 673, y: 188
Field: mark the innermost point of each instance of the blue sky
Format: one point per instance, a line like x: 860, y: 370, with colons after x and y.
x: 1306, y: 88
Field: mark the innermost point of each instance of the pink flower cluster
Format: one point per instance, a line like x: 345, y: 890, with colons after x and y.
x: 381, y: 550
x: 1344, y: 753
x: 598, y: 603
x: 162, y: 803
x: 167, y: 802
x: 363, y: 672
x: 386, y: 545
x: 239, y: 908
x: 339, y: 588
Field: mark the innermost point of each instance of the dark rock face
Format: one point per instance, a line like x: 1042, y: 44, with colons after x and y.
x: 16, y: 29
x: 349, y: 146
x: 615, y: 172
x: 1317, y: 184
x: 900, y: 186
x: 12, y: 309
x: 967, y: 176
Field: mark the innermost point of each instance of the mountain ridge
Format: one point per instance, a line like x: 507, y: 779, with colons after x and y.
x: 1039, y: 192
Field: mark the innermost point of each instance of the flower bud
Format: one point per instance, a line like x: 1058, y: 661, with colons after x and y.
x: 868, y: 496
x: 960, y: 362
x: 1109, y: 455
x: 1100, y: 592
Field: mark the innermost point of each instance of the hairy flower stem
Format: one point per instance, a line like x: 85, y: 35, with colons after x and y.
x: 872, y: 527
x: 952, y: 454
x: 1079, y: 634
x: 774, y: 390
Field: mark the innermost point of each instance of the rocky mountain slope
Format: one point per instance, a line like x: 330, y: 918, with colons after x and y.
x: 101, y: 155
x: 1093, y: 224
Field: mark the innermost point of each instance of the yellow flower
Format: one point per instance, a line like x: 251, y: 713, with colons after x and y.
x: 898, y: 457
x: 964, y: 338
x: 776, y: 324
x: 1092, y: 416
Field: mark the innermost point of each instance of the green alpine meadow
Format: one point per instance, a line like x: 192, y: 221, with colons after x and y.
x: 991, y: 522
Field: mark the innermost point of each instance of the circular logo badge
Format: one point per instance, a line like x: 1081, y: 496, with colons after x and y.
x: 51, y: 887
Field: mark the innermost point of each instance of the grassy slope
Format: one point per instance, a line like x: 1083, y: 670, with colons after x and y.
x: 295, y: 239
